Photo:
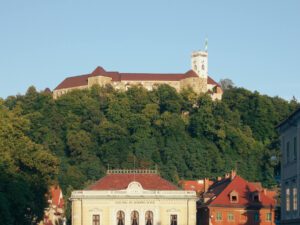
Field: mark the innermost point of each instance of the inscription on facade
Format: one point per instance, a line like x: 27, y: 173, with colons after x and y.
x: 146, y: 202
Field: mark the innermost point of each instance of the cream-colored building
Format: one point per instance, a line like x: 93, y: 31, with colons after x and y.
x: 197, y: 78
x: 133, y: 197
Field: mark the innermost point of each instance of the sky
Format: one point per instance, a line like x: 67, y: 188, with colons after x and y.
x: 254, y: 43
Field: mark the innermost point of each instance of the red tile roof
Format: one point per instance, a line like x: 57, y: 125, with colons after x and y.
x: 82, y: 80
x: 193, y: 185
x: 219, y: 193
x: 121, y: 181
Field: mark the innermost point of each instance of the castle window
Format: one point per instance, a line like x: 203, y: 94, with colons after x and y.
x: 120, y: 218
x: 173, y: 219
x: 149, y: 218
x: 96, y: 219
x: 135, y: 218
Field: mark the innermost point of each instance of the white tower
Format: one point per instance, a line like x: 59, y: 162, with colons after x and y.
x: 200, y: 62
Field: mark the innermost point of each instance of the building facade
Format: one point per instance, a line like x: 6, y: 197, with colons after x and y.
x: 235, y: 201
x: 289, y: 131
x: 133, y: 197
x: 197, y: 79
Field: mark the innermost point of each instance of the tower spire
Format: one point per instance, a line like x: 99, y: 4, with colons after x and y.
x: 206, y: 44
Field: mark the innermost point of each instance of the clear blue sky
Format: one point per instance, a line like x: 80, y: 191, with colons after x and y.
x: 255, y: 43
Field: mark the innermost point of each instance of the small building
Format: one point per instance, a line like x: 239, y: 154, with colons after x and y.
x: 235, y: 201
x: 54, y: 214
x: 133, y: 197
x: 289, y: 131
x: 196, y: 78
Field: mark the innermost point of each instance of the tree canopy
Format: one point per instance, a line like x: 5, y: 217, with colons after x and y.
x: 185, y: 135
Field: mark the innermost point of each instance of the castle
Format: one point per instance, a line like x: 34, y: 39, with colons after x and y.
x: 197, y: 78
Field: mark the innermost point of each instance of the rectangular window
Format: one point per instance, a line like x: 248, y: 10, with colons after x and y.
x: 173, y: 219
x: 219, y: 216
x: 96, y: 219
x: 295, y: 148
x: 230, y: 216
x: 269, y: 217
x: 287, y: 151
x: 287, y: 199
x: 295, y: 199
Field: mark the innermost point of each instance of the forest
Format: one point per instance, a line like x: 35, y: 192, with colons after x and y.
x: 72, y: 141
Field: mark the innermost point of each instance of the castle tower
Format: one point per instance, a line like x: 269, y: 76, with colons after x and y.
x: 199, y: 62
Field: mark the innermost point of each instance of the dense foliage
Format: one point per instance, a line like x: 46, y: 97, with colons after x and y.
x: 26, y: 170
x: 186, y: 136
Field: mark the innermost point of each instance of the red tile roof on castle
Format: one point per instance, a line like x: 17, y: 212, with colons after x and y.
x: 82, y: 80
x: 219, y: 193
x: 121, y: 181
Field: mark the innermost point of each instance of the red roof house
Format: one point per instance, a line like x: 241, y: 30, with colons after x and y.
x: 235, y: 201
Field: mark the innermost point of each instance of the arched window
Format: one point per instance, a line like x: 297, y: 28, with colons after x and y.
x: 120, y: 218
x: 134, y: 218
x: 149, y: 218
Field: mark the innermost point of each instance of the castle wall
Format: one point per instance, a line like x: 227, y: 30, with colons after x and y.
x: 149, y: 85
x: 198, y: 84
x: 60, y: 92
x: 99, y: 80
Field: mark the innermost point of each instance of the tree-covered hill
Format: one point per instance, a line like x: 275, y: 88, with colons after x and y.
x: 186, y: 136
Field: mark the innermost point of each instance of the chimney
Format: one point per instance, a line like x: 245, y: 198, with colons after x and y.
x: 206, y: 184
x: 265, y: 191
x: 232, y: 174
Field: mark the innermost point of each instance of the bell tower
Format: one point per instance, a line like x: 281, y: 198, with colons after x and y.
x: 199, y: 62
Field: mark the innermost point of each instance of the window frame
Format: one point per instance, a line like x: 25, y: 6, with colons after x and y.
x: 172, y: 221
x: 230, y: 217
x: 150, y: 214
x: 219, y: 216
x: 96, y: 219
x: 295, y: 199
x: 287, y: 200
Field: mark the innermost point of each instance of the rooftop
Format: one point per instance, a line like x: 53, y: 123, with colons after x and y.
x: 120, y: 179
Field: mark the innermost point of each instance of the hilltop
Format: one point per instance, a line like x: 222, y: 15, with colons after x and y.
x: 74, y: 139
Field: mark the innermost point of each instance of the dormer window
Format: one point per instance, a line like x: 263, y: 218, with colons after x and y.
x: 234, y: 197
x: 255, y: 197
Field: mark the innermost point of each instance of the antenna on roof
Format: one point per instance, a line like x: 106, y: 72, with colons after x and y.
x: 134, y: 168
